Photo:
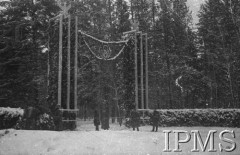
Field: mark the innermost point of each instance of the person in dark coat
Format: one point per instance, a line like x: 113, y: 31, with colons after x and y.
x: 57, y: 117
x: 120, y: 120
x: 155, y: 120
x: 96, y: 120
x: 31, y: 114
x: 105, y: 121
x: 135, y: 119
x: 105, y: 116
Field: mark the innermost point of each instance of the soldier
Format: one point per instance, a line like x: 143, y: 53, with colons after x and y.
x: 31, y: 114
x: 105, y: 116
x: 57, y: 117
x: 96, y: 120
x: 155, y: 120
x: 135, y: 119
x: 120, y: 120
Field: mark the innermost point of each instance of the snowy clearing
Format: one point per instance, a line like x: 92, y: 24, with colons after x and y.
x: 117, y: 140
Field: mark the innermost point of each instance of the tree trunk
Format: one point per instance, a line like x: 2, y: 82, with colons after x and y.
x: 231, y: 87
x: 169, y: 82
x: 238, y: 96
x: 131, y: 7
x: 153, y: 12
x: 109, y: 13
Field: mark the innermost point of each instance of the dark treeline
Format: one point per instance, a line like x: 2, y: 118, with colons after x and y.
x: 190, y: 65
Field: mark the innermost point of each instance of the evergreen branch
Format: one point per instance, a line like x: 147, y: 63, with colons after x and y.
x: 4, y: 85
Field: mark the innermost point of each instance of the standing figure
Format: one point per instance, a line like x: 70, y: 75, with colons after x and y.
x: 31, y: 114
x: 105, y: 116
x: 57, y: 117
x: 135, y: 119
x: 85, y: 114
x: 155, y: 120
x: 96, y: 120
x: 120, y: 120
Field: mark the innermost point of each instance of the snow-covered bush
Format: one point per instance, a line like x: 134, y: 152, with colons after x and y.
x: 45, y: 122
x: 9, y: 117
x: 127, y: 122
x: 195, y: 117
x: 200, y: 117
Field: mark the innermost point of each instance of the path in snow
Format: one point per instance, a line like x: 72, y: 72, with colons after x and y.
x: 117, y: 140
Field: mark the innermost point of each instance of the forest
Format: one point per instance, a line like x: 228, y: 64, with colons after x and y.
x: 191, y: 65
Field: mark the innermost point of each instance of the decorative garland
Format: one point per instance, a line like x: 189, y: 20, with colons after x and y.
x: 177, y: 83
x: 105, y: 42
x: 107, y: 52
x: 91, y: 50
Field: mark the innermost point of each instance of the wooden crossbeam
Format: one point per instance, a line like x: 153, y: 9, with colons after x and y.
x: 69, y: 120
x: 132, y: 31
x: 74, y: 110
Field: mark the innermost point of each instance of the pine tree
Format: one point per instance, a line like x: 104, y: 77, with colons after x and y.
x: 20, y: 63
x: 173, y: 47
x: 220, y: 33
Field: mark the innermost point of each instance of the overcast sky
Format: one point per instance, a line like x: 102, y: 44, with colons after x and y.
x: 194, y: 6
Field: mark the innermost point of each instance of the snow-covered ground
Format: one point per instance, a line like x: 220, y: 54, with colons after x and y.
x: 117, y: 140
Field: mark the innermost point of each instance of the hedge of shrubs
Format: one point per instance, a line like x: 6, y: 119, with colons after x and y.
x: 199, y: 117
x: 14, y: 118
x: 43, y: 122
x: 9, y: 117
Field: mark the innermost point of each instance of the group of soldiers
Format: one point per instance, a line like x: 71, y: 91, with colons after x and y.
x: 104, y: 121
x: 31, y: 114
x: 135, y: 120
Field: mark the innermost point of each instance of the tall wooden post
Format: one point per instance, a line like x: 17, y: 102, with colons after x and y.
x: 142, y: 88
x: 146, y: 69
x: 135, y: 30
x: 76, y: 63
x: 136, y: 71
x: 60, y: 61
x: 68, y: 62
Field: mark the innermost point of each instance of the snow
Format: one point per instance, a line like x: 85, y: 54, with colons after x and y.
x: 117, y: 140
x: 11, y: 111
